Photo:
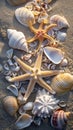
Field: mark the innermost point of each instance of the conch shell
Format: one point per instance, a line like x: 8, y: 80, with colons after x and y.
x: 17, y: 40
x: 10, y: 105
x: 16, y: 2
x: 62, y: 82
x: 24, y: 16
x: 59, y: 119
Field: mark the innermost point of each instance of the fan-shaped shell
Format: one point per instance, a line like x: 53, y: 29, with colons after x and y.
x: 24, y: 16
x: 53, y: 54
x: 62, y: 82
x: 16, y: 2
x: 10, y: 105
x: 60, y: 21
x: 17, y: 40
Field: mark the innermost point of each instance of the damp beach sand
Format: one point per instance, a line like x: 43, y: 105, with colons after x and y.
x: 7, y: 20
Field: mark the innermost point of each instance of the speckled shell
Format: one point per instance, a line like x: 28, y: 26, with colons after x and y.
x: 16, y: 2
x: 10, y: 105
x: 17, y: 40
x: 62, y: 82
x: 23, y: 15
x: 60, y: 21
x: 59, y: 119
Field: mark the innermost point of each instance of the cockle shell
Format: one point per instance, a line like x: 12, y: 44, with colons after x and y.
x: 62, y: 82
x: 60, y: 21
x: 24, y: 16
x: 13, y: 89
x: 17, y: 40
x: 23, y: 121
x: 16, y: 2
x: 53, y: 54
x: 10, y: 105
x: 59, y: 119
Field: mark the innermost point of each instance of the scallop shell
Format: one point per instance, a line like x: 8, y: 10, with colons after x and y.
x: 53, y: 54
x: 62, y: 82
x: 59, y: 119
x: 24, y: 16
x: 17, y: 40
x: 23, y: 121
x: 16, y: 2
x: 60, y: 21
x: 10, y: 105
x: 13, y: 89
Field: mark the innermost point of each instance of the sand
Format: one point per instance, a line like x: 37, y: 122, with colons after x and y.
x: 7, y: 20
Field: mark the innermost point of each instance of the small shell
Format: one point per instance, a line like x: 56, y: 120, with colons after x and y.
x: 64, y: 63
x: 17, y: 40
x: 6, y: 67
x: 60, y: 21
x: 62, y: 83
x: 9, y: 61
x: 16, y: 2
x: 61, y: 36
x: 10, y: 104
x: 24, y: 16
x: 9, y: 53
x: 53, y: 54
x: 23, y: 121
x: 28, y: 106
x: 13, y: 89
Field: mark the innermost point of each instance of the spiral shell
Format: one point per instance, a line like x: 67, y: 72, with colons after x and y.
x: 59, y: 119
x: 16, y: 2
x: 17, y: 40
x: 62, y: 82
x: 10, y: 105
x: 24, y: 16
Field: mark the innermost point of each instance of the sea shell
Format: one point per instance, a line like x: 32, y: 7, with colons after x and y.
x: 62, y: 82
x: 9, y: 53
x: 24, y: 16
x: 28, y: 106
x: 16, y: 2
x: 6, y: 67
x: 53, y: 54
x: 13, y: 89
x: 17, y: 40
x: 10, y: 105
x: 60, y: 21
x: 44, y: 104
x: 64, y: 62
x: 43, y: 17
x: 59, y: 119
x: 61, y: 36
x: 23, y: 121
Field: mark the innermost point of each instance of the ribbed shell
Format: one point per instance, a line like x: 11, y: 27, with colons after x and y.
x: 16, y: 2
x: 23, y: 15
x: 17, y: 40
x: 62, y: 82
x: 10, y: 105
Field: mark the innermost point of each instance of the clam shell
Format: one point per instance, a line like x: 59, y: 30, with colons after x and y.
x: 13, y: 89
x: 10, y: 105
x: 53, y: 54
x: 62, y: 82
x: 17, y: 40
x: 28, y: 106
x: 23, y: 121
x: 61, y: 36
x: 16, y: 2
x: 24, y: 16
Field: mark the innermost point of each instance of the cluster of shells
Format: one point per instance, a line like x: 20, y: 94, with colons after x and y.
x: 45, y: 104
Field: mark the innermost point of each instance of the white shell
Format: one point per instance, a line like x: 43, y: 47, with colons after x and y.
x: 64, y: 63
x: 9, y: 53
x: 28, y: 106
x: 23, y: 15
x: 23, y: 121
x: 17, y: 40
x: 61, y: 36
x: 53, y: 54
x: 13, y: 89
x: 60, y: 21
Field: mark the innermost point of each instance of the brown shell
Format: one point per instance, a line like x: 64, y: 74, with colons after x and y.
x: 16, y: 2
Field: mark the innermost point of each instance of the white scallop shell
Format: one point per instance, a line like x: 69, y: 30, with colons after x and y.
x: 60, y: 21
x: 53, y: 54
x: 17, y: 40
x: 23, y: 15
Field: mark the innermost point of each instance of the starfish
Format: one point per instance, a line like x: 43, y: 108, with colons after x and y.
x: 34, y: 74
x: 40, y: 33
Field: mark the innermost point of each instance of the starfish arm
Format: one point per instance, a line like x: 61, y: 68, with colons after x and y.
x: 31, y: 27
x: 29, y: 89
x: 41, y: 25
x: 32, y: 40
x: 24, y: 66
x: 50, y: 27
x: 45, y: 85
x: 50, y: 73
x: 20, y: 78
x: 49, y: 38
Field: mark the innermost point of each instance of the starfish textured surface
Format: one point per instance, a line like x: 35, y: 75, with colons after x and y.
x: 34, y: 74
x: 41, y: 33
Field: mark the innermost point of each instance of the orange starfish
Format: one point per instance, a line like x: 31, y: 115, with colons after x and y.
x: 35, y: 74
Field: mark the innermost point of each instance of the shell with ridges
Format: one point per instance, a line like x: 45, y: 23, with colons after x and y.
x: 16, y: 2
x: 62, y: 82
x: 17, y: 40
x: 24, y: 16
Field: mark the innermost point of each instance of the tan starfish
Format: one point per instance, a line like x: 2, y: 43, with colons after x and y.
x: 34, y: 74
x: 41, y: 34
